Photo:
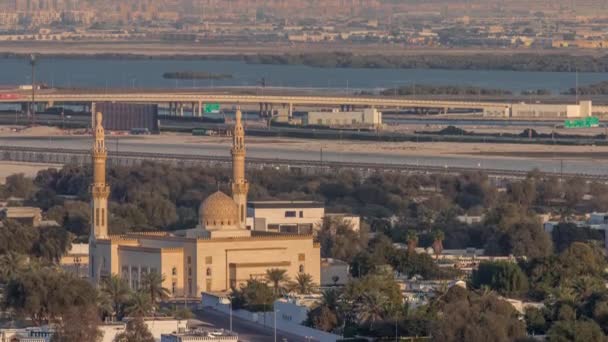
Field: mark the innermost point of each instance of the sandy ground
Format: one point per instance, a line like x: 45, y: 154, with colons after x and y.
x: 340, y: 146
x: 402, y: 148
x: 171, y: 49
x: 28, y: 169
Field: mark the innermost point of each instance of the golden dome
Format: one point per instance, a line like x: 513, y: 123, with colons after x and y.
x: 218, y: 210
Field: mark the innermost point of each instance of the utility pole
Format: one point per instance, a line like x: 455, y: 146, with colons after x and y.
x: 33, y: 104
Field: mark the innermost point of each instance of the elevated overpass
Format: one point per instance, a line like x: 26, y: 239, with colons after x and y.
x: 196, y: 99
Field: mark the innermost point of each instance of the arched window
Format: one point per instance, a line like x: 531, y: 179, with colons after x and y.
x: 301, y: 269
x: 174, y: 271
x: 208, y: 272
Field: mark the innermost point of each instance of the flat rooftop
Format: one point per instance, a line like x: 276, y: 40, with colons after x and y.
x: 284, y: 204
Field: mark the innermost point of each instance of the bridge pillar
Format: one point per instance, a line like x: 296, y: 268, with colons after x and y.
x: 200, y: 109
x: 181, y: 109
x: 193, y: 113
x: 290, y: 112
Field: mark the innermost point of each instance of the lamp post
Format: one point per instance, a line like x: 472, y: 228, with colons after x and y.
x: 33, y: 104
x: 275, y: 324
x: 229, y: 302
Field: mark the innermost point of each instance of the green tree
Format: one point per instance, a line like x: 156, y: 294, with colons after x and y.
x: 502, y: 276
x: 139, y: 304
x: 536, y: 322
x: 255, y: 296
x: 118, y: 292
x: 45, y: 294
x: 11, y: 264
x: 372, y: 298
x: 136, y: 331
x: 18, y: 185
x: 277, y: 277
x: 474, y: 317
x: 152, y: 283
x: 322, y: 318
x: 575, y: 331
x: 438, y: 237
x: 78, y: 324
x: 412, y: 241
x: 339, y: 240
x: 303, y: 284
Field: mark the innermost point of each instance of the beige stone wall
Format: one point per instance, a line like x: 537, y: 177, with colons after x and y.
x: 137, y: 260
x: 172, y: 267
x: 312, y: 216
x: 252, y: 257
x: 189, y: 259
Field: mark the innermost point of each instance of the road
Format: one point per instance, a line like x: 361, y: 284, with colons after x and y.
x: 247, y: 331
x: 271, y: 150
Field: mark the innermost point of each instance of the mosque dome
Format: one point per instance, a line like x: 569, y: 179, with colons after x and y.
x: 218, y: 211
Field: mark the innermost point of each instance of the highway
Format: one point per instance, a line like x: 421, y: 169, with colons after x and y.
x: 247, y: 331
x: 270, y: 151
x: 58, y: 96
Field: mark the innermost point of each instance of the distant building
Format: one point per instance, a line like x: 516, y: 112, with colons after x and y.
x: 366, y: 118
x: 200, y: 335
x: 470, y: 219
x: 334, y: 272
x: 284, y: 216
x: 535, y: 110
x: 294, y: 217
x: 30, y: 216
x: 76, y: 260
x: 217, y: 255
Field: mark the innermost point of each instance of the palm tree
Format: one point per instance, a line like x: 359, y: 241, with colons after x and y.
x: 412, y: 241
x: 139, y: 304
x: 152, y: 283
x: 371, y: 307
x: 104, y: 304
x: 117, y: 291
x: 277, y: 277
x: 303, y: 284
x: 331, y: 299
x: 438, y: 237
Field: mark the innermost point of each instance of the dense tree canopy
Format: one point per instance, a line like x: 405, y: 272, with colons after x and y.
x: 473, y: 317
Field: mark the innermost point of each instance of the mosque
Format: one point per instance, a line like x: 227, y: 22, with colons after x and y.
x: 219, y: 254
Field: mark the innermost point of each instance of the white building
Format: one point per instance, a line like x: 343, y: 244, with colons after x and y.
x: 157, y: 327
x: 200, y: 336
x: 368, y: 117
x: 535, y: 110
x: 334, y: 272
x: 284, y: 216
x: 293, y: 217
x: 31, y: 334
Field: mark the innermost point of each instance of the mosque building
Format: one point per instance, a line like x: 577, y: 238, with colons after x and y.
x: 217, y: 255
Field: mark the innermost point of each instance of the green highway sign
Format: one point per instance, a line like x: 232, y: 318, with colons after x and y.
x: 212, y: 108
x: 588, y: 122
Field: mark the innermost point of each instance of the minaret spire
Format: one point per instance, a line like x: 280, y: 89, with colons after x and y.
x: 100, y: 191
x: 240, y: 187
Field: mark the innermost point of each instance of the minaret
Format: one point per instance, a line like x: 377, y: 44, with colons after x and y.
x: 240, y: 187
x: 100, y: 191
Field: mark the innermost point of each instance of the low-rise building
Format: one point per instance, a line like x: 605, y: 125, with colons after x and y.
x: 538, y: 110
x: 201, y: 335
x: 334, y: 272
x: 76, y: 260
x: 30, y: 216
x: 293, y: 217
x: 366, y: 118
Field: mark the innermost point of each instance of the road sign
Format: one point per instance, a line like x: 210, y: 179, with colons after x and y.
x: 212, y: 108
x: 591, y: 121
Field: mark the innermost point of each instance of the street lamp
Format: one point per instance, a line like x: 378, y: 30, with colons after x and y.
x: 275, y: 324
x: 228, y: 301
x: 33, y: 104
